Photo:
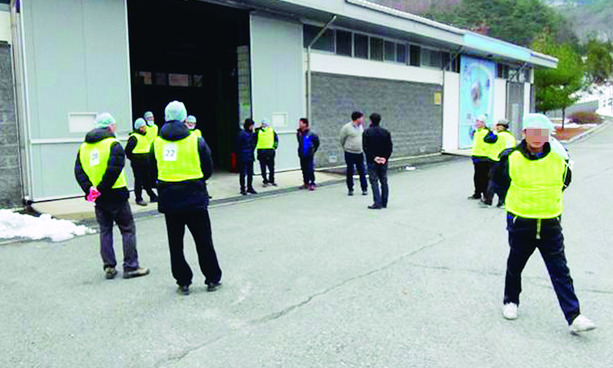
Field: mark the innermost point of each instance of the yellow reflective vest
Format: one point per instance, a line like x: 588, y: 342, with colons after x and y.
x: 152, y: 133
x: 196, y: 132
x: 480, y: 148
x: 178, y: 160
x: 143, y: 145
x: 505, y: 141
x: 536, y: 189
x: 94, y: 159
x: 266, y: 138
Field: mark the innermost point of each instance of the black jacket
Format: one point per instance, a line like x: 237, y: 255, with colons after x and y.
x: 245, y: 145
x: 189, y: 195
x: 137, y: 159
x: 376, y: 142
x: 500, y: 172
x: 308, y: 143
x: 109, y: 197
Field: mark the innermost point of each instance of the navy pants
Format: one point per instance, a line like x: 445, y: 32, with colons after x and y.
x: 267, y: 161
x: 199, y: 224
x: 308, y: 170
x: 481, y: 177
x: 355, y: 160
x: 142, y: 179
x: 245, y: 171
x: 524, y: 238
x: 378, y: 174
x: 122, y: 216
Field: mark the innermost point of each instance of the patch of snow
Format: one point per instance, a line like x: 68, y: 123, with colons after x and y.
x: 15, y: 225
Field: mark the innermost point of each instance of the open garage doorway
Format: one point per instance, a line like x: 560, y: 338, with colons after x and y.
x: 189, y: 51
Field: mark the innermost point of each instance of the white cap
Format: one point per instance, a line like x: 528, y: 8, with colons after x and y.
x: 104, y: 120
x: 175, y: 111
x: 537, y: 121
x: 140, y: 122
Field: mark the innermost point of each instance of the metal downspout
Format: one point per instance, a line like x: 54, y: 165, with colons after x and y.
x: 309, y: 64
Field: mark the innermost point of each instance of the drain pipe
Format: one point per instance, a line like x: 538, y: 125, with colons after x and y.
x: 324, y: 29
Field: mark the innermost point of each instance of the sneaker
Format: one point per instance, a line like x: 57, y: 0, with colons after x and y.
x: 141, y: 271
x: 485, y: 204
x: 509, y: 311
x: 273, y: 183
x: 350, y: 193
x: 251, y: 191
x: 243, y: 192
x: 375, y: 206
x: 364, y: 192
x: 581, y: 324
x: 212, y: 286
x: 183, y: 289
x: 110, y: 273
x: 265, y: 183
x: 312, y: 187
x: 140, y: 202
x: 474, y: 196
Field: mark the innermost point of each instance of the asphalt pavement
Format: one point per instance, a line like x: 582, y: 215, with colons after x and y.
x: 315, y: 279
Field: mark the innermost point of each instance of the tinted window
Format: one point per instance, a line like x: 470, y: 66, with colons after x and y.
x: 324, y: 43
x: 401, y: 53
x: 343, y: 43
x: 415, y: 55
x: 376, y: 49
x: 390, y: 51
x: 360, y: 46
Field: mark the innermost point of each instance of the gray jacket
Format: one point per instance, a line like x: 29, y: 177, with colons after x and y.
x: 351, y: 138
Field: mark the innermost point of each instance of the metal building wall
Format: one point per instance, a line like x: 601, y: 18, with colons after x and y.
x: 75, y: 61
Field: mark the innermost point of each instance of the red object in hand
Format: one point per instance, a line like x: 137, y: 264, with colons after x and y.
x: 93, y: 194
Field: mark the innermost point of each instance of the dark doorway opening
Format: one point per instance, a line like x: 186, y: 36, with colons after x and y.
x: 187, y: 51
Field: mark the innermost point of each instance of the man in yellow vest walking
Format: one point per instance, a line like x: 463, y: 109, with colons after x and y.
x: 137, y: 151
x: 266, y: 144
x: 99, y: 170
x: 483, y: 141
x: 184, y: 163
x: 536, y: 173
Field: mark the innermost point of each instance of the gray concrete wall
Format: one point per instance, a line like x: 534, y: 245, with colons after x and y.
x: 10, y: 173
x: 407, y: 109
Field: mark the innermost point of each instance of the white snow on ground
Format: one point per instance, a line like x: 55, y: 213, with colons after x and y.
x: 15, y: 225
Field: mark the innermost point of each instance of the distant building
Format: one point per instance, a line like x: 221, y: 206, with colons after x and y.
x: 232, y: 59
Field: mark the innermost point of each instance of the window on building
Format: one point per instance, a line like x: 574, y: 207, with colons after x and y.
x: 343, y: 43
x: 431, y: 58
x: 390, y: 51
x: 360, y: 46
x: 401, y: 53
x: 446, y: 60
x: 324, y: 43
x: 502, y: 71
x: 415, y: 52
x: 376, y: 49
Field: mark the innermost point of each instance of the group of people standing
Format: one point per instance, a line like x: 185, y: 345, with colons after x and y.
x: 530, y: 179
x: 180, y: 160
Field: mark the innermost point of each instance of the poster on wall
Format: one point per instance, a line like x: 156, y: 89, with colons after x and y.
x: 477, y: 78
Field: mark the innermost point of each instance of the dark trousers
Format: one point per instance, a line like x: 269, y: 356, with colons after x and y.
x: 245, y: 171
x: 199, y: 225
x: 481, y: 178
x: 142, y: 179
x: 308, y: 169
x: 267, y: 161
x: 357, y: 160
x: 378, y: 173
x: 493, y: 188
x: 523, y: 240
x: 122, y: 216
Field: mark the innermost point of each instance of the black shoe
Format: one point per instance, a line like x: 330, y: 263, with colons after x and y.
x: 140, y: 202
x: 153, y: 199
x: 265, y: 183
x: 474, y: 196
x: 483, y: 203
x: 384, y: 206
x: 212, y: 286
x: 141, y: 271
x: 210, y: 196
x: 273, y: 183
x: 364, y: 192
x: 243, y: 192
x: 110, y: 272
x: 183, y: 289
x: 375, y: 207
x: 251, y: 191
x: 350, y: 193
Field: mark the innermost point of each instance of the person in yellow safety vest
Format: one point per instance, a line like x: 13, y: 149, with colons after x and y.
x: 137, y: 151
x: 184, y: 163
x: 266, y: 144
x: 191, y: 125
x: 99, y: 170
x: 152, y: 128
x: 504, y: 140
x: 536, y: 174
x: 483, y: 141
